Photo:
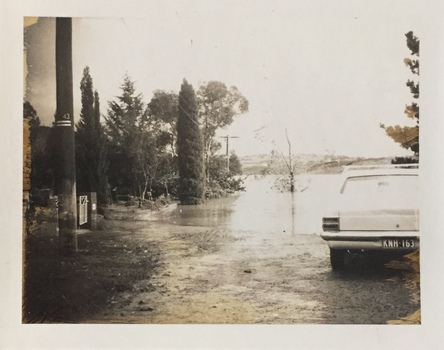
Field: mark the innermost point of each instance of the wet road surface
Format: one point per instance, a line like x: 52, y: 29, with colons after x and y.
x: 257, y: 258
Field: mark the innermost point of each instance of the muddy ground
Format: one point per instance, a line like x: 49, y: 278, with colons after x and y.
x: 144, y: 271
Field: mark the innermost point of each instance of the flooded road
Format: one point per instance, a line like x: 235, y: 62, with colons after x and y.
x: 257, y: 257
x: 264, y: 210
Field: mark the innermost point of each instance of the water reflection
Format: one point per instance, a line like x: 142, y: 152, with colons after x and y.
x: 213, y: 213
x: 262, y: 209
x: 293, y: 214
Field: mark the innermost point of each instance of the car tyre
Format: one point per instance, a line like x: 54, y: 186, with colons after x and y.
x: 337, y: 259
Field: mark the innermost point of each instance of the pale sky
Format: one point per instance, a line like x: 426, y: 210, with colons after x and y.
x: 328, y: 74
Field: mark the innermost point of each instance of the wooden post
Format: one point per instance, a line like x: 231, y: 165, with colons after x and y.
x: 65, y: 171
x: 228, y: 154
x: 227, y: 138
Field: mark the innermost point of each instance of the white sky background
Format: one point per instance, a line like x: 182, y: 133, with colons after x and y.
x: 329, y: 74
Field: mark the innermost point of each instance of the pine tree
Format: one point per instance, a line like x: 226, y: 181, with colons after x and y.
x: 189, y: 149
x: 408, y: 136
x: 125, y: 115
x: 138, y: 143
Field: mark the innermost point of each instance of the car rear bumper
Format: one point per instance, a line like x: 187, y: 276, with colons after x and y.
x: 371, y: 240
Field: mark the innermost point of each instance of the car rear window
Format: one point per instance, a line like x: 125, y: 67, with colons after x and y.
x: 405, y: 186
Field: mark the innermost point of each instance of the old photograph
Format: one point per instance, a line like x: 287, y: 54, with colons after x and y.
x: 223, y: 163
x: 180, y: 173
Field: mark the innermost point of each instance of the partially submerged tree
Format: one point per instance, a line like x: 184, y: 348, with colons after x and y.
x: 285, y: 167
x: 189, y: 149
x: 408, y: 136
x: 222, y: 182
x: 291, y: 166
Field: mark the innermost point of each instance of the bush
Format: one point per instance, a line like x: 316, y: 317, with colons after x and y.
x: 405, y: 160
x: 224, y: 186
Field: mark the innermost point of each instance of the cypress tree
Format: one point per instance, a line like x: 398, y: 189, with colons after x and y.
x: 189, y: 149
x: 91, y: 150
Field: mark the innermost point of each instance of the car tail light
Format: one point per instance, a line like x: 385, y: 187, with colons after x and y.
x: 330, y: 224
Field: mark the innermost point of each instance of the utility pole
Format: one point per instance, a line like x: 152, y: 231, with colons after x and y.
x: 227, y: 138
x: 65, y: 170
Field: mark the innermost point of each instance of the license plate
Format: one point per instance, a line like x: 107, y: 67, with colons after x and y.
x: 401, y: 243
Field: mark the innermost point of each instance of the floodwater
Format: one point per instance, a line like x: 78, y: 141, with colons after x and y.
x: 263, y: 209
x: 257, y: 257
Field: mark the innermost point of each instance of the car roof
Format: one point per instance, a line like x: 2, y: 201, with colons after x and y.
x: 374, y: 170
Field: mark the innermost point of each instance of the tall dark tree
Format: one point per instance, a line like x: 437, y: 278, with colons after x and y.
x: 189, y: 149
x: 91, y: 150
x: 408, y: 136
x: 96, y: 108
x: 103, y: 190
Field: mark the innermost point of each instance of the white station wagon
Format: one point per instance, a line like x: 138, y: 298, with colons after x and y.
x: 378, y: 210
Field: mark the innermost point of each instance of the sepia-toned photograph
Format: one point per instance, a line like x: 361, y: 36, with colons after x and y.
x: 223, y: 163
x: 180, y: 173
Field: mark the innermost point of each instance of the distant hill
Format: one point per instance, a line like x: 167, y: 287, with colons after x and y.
x: 305, y: 163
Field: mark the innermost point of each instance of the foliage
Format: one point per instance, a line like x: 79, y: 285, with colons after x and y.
x: 122, y: 121
x: 42, y: 174
x: 408, y: 136
x: 125, y: 115
x: 225, y: 185
x: 218, y: 105
x: 235, y: 164
x: 138, y: 143
x: 221, y: 182
x: 91, y: 149
x: 148, y: 152
x: 42, y: 158
x: 404, y: 160
x: 167, y: 180
x: 30, y: 112
x: 189, y: 148
x: 218, y: 166
x: 157, y: 148
x: 163, y: 107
